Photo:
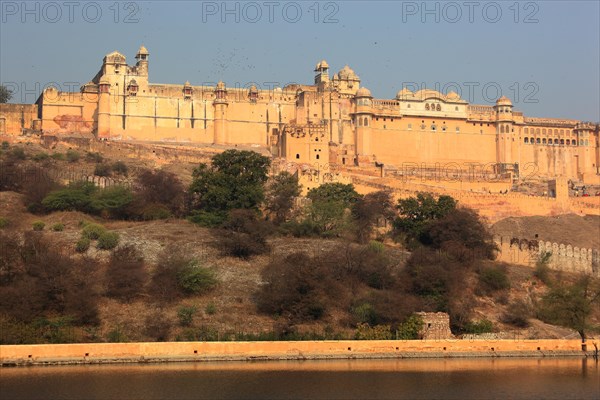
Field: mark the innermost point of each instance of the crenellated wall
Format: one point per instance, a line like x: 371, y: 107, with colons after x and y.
x: 563, y: 257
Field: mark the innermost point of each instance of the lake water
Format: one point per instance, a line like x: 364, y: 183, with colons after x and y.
x: 348, y: 379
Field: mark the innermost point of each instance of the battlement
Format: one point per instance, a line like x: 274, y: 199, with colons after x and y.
x: 563, y: 257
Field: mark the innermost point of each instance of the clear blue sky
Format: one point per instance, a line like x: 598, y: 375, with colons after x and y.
x: 544, y: 55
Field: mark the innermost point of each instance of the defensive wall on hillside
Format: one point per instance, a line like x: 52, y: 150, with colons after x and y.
x: 562, y: 257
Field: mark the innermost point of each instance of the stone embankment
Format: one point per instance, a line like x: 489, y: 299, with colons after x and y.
x: 96, y: 353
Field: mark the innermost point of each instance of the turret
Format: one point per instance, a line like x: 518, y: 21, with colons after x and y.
x: 142, y: 61
x: 363, y: 117
x: 220, y: 104
x: 104, y: 109
x: 504, y: 130
x: 322, y: 73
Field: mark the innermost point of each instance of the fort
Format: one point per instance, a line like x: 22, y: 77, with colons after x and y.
x: 333, y: 121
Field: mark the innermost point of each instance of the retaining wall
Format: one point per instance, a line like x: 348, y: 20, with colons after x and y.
x: 203, y: 351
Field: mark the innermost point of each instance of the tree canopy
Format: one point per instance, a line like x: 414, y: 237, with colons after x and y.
x: 5, y: 94
x: 234, y: 180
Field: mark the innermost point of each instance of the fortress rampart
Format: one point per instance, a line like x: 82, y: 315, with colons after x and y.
x: 562, y: 257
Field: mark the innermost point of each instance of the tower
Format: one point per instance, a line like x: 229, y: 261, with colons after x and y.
x: 142, y: 61
x: 104, y: 109
x: 504, y: 130
x: 363, y: 117
x: 220, y: 104
x: 322, y: 74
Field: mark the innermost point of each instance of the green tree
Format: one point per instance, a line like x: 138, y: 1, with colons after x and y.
x: 570, y: 305
x: 234, y: 179
x: 416, y: 213
x: 368, y: 209
x: 282, y: 189
x: 5, y: 94
x: 334, y: 192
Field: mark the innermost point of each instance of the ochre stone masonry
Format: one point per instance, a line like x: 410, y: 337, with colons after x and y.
x: 334, y: 120
x: 204, y: 351
x: 563, y: 257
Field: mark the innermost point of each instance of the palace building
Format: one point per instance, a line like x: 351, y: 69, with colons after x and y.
x: 333, y: 120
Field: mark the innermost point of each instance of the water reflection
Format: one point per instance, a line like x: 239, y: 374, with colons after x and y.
x: 340, y: 379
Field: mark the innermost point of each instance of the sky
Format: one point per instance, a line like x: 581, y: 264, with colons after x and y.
x: 543, y: 55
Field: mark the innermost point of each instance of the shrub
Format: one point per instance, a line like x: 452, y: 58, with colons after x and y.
x: 410, y: 329
x: 18, y: 153
x: 41, y: 156
x: 207, y: 219
x: 493, y: 279
x: 38, y: 226
x: 72, y: 156
x: 211, y: 309
x: 111, y: 201
x: 120, y: 168
x: 76, y: 197
x: 243, y: 235
x: 186, y: 315
x: 102, y: 170
x: 82, y: 245
x: 365, y: 313
x: 195, y: 279
x: 58, y: 156
x: 378, y: 332
x: 5, y: 145
x: 517, y: 314
x: 155, y: 211
x: 93, y: 231
x: 126, y: 275
x: 3, y: 222
x: 542, y: 271
x: 376, y: 247
x: 481, y: 326
x: 58, y: 227
x: 94, y: 157
x: 108, y: 240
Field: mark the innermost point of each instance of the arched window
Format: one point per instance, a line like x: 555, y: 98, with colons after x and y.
x: 297, y: 156
x: 526, y: 131
x: 501, y: 128
x: 427, y: 106
x: 531, y: 140
x: 555, y: 141
x: 359, y: 121
x: 543, y: 141
x: 438, y: 108
x: 544, y: 132
x: 526, y: 140
x: 537, y: 131
x: 366, y: 122
x: 538, y: 141
x: 568, y: 142
x: 562, y: 141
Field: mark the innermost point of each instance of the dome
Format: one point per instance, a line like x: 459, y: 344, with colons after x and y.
x: 425, y: 94
x: 452, y: 96
x: 324, y: 64
x: 143, y: 50
x: 404, y: 93
x: 221, y: 85
x: 503, y: 101
x: 363, y: 92
x: 187, y: 83
x: 253, y: 89
x: 347, y: 73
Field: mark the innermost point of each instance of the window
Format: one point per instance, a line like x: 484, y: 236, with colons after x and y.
x: 531, y: 140
x: 526, y: 140
x: 568, y: 142
x: 409, y: 127
x: 359, y: 121
x: 443, y: 128
x: 562, y: 141
x: 438, y: 108
x: 422, y: 127
x: 297, y: 156
x: 427, y: 106
x: 537, y: 131
x: 555, y: 141
x: 408, y: 106
x: 317, y: 156
x: 526, y: 131
x: 457, y: 129
x: 366, y: 122
x: 433, y: 127
x: 456, y: 108
x: 544, y: 131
